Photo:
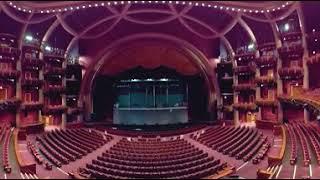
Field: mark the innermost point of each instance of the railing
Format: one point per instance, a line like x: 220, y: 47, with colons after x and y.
x: 275, y: 159
x: 245, y: 106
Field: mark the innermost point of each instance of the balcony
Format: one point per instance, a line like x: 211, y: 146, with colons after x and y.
x: 75, y: 111
x: 60, y: 109
x: 267, y: 80
x: 292, y: 52
x: 29, y: 106
x: 245, y: 106
x: 267, y: 46
x: 266, y: 61
x: 266, y: 102
x: 244, y: 87
x: 227, y: 108
x: 9, y: 104
x: 291, y: 73
x: 291, y: 36
x: 9, y: 74
x: 245, y: 56
x: 31, y: 82
x: 313, y: 59
x: 244, y: 70
x: 54, y: 71
x: 10, y: 51
x: 28, y: 63
x: 8, y: 59
x: 50, y: 90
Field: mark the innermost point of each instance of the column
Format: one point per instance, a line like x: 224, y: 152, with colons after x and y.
x: 306, y: 115
x: 41, y: 98
x: 305, y: 73
x: 18, y: 87
x: 63, y: 96
x: 280, y: 113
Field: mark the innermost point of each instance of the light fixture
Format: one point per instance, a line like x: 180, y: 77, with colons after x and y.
x: 29, y: 38
x: 286, y: 27
x: 251, y: 46
x: 48, y: 48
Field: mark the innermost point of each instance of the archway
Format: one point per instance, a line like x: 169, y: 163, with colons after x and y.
x: 195, y: 56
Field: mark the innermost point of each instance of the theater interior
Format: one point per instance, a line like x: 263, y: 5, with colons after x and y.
x: 159, y: 89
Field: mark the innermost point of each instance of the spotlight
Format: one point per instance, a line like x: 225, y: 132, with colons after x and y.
x: 48, y: 48
x: 29, y: 38
x: 286, y: 27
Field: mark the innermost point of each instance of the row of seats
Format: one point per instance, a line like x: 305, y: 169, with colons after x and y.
x: 64, y: 146
x: 314, y: 142
x: 262, y: 153
x: 5, y: 149
x: 38, y: 157
x: 239, y: 142
x: 150, y: 158
x: 152, y: 134
x: 304, y: 145
x: 293, y: 142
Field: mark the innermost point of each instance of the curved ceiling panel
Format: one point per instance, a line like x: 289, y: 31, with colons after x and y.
x: 149, y: 55
x: 262, y: 31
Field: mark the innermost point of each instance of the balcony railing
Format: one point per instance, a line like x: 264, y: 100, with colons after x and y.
x: 244, y: 87
x: 60, y: 109
x: 31, y: 82
x: 55, y: 71
x: 74, y: 111
x: 245, y: 56
x: 267, y: 46
x: 313, y: 59
x: 266, y: 61
x: 245, y: 106
x: 292, y: 52
x: 10, y: 51
x: 266, y: 80
x: 49, y: 90
x: 291, y: 73
x: 266, y: 102
x: 244, y: 70
x: 9, y: 104
x: 32, y: 62
x: 291, y: 36
x: 9, y: 74
x: 31, y: 106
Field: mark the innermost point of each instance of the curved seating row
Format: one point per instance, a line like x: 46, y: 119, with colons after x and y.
x: 153, y: 159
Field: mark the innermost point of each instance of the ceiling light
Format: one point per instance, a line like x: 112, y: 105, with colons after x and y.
x: 29, y: 38
x: 286, y: 27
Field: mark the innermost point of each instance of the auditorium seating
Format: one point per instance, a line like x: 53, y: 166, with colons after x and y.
x: 6, y: 135
x: 38, y: 157
x: 64, y: 146
x: 239, y: 142
x: 293, y: 142
x: 153, y: 158
x: 152, y: 134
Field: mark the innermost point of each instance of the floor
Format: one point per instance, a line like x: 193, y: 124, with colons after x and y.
x: 243, y: 169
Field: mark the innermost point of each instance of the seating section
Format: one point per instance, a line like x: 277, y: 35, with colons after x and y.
x: 64, y: 146
x: 6, y: 135
x: 152, y: 134
x: 293, y: 141
x: 37, y: 156
x: 153, y: 158
x: 240, y: 142
x: 303, y: 144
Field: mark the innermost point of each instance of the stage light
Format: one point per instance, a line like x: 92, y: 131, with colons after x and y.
x: 251, y: 46
x: 48, y: 48
x: 29, y: 38
x: 286, y: 27
x: 164, y: 79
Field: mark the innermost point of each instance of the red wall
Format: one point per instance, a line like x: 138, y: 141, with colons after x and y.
x: 28, y: 118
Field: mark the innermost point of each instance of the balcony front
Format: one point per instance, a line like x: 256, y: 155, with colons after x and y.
x: 266, y: 80
x: 57, y: 109
x: 266, y: 102
x: 50, y: 90
x: 244, y: 70
x: 266, y: 62
x: 9, y: 74
x: 292, y: 52
x: 12, y: 51
x: 54, y: 71
x: 11, y: 104
x: 291, y: 73
x: 31, y: 82
x: 245, y: 106
x: 244, y: 87
x: 29, y: 106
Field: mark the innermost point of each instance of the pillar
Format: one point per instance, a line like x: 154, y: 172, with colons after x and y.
x: 64, y: 97
x: 280, y: 113
x: 306, y: 115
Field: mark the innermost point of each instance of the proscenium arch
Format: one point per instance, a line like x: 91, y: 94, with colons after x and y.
x: 195, y: 56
